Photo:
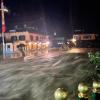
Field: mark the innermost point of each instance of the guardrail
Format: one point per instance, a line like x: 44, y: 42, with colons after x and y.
x: 84, y: 92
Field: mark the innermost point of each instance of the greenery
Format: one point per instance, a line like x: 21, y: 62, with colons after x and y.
x: 94, y: 58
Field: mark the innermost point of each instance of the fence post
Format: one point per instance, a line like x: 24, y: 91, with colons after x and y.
x: 61, y: 94
x: 83, y: 92
x: 96, y: 91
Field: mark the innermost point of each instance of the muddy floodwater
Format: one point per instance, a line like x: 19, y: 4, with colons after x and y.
x: 38, y: 78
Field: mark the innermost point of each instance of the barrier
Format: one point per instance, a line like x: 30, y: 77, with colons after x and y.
x: 61, y: 94
x: 84, y: 92
x: 96, y: 91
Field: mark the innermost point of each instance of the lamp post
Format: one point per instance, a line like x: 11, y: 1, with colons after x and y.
x: 3, y: 26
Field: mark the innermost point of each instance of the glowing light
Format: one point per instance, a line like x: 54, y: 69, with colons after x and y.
x: 30, y: 43
x: 6, y: 10
x: 47, y: 42
x: 82, y: 88
x: 61, y: 94
x: 40, y: 43
x: 73, y: 40
x: 96, y: 84
x: 67, y: 42
x: 60, y: 43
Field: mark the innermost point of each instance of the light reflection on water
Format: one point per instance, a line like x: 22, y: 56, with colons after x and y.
x: 37, y: 79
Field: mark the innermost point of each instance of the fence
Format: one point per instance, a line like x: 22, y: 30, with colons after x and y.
x: 84, y: 92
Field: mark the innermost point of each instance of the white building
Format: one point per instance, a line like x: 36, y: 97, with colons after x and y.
x: 24, y: 40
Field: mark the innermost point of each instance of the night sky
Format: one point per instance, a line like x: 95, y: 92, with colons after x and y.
x: 49, y: 16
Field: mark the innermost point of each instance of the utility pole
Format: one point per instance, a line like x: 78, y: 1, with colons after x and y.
x: 3, y: 27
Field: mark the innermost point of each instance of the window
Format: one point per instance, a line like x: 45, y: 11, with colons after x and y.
x: 87, y: 37
x: 17, y: 46
x: 13, y: 38
x: 77, y: 37
x: 21, y: 37
x: 31, y: 37
x: 37, y: 38
x: 8, y: 46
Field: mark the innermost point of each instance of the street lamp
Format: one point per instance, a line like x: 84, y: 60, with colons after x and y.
x: 3, y: 9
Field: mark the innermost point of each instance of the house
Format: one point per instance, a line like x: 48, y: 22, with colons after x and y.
x: 26, y: 41
x: 90, y: 40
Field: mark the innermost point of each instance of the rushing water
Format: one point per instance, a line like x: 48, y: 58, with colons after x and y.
x: 37, y: 79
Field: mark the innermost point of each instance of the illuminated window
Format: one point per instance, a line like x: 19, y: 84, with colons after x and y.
x: 87, y: 37
x: 77, y: 37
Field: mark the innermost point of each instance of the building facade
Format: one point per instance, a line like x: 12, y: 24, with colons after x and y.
x: 26, y: 41
x: 87, y: 40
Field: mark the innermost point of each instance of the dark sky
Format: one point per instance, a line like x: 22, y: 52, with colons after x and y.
x: 61, y: 16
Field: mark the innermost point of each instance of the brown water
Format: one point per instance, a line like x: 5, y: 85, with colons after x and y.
x: 37, y: 79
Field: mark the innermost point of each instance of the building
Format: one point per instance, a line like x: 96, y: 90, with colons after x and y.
x: 59, y: 39
x: 84, y: 36
x: 26, y: 41
x: 87, y: 40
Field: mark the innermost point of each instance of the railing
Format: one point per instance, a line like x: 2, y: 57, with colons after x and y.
x: 84, y: 92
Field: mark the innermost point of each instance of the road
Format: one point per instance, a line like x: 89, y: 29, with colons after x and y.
x: 82, y: 50
x: 39, y: 77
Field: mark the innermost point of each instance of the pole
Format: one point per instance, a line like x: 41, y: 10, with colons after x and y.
x: 3, y: 43
x: 3, y: 28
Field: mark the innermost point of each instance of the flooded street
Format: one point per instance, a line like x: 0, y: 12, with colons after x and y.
x: 38, y: 78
